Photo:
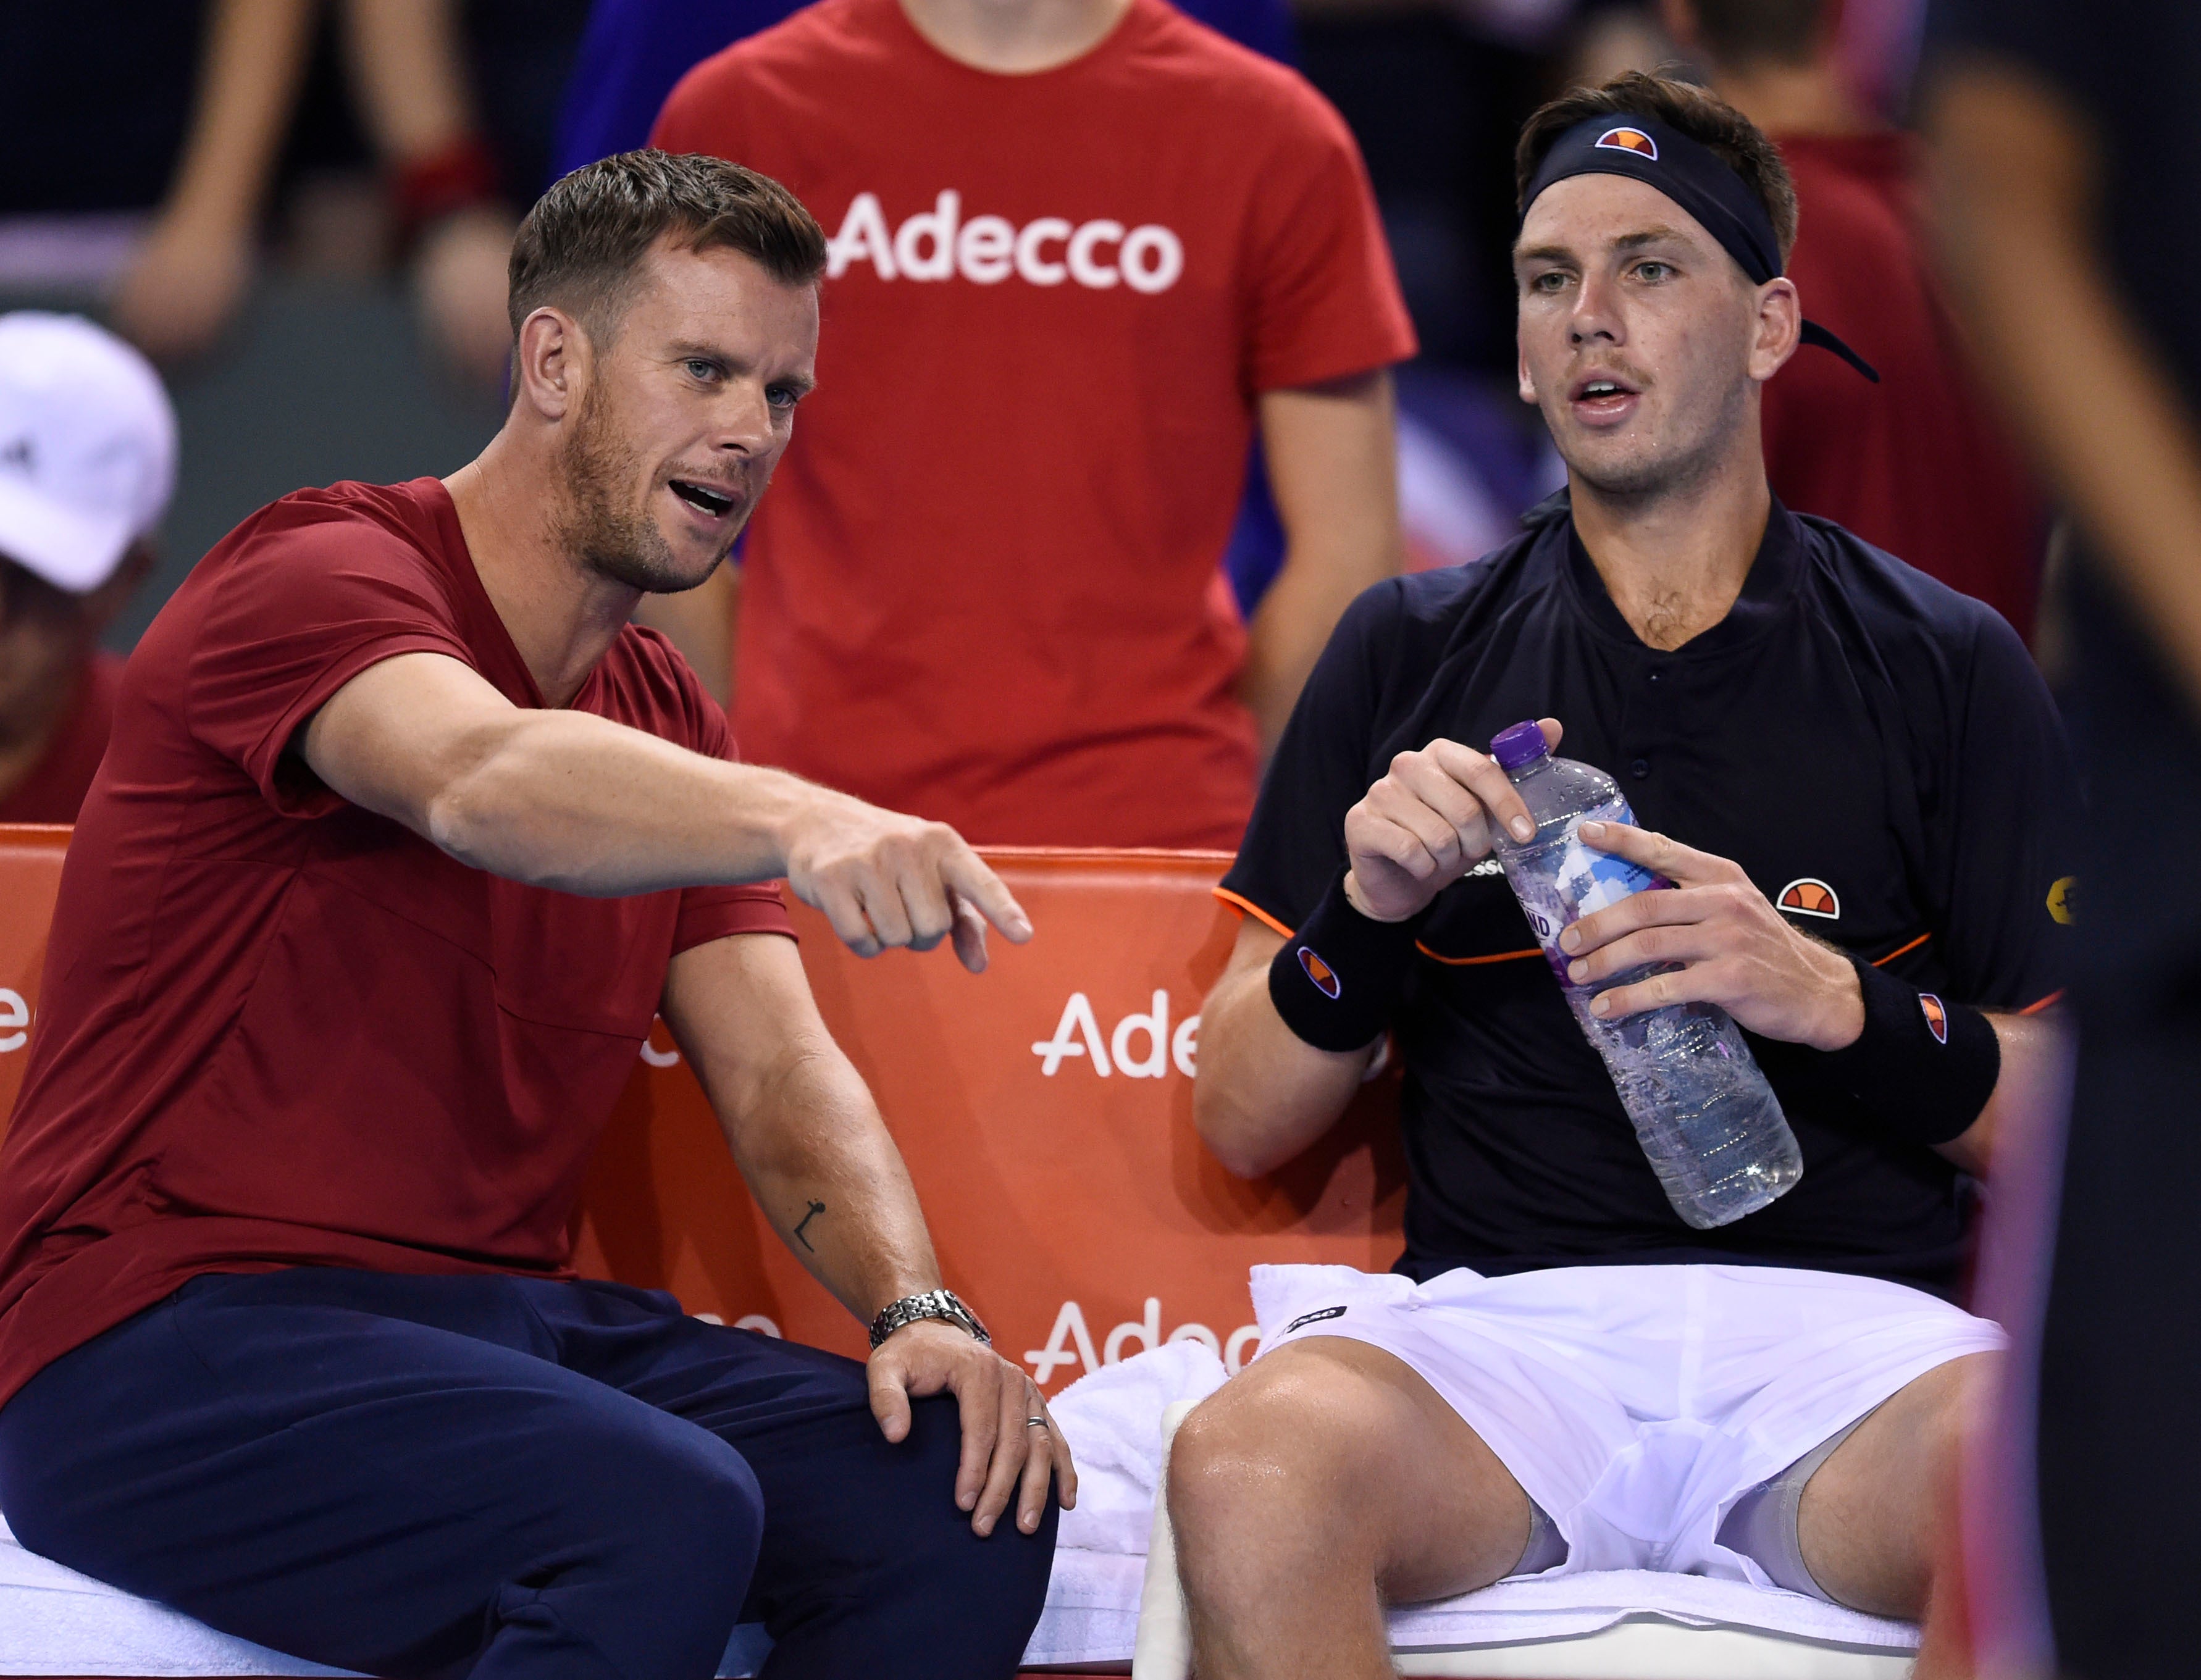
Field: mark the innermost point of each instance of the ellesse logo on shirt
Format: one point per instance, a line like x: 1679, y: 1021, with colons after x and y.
x: 938, y: 244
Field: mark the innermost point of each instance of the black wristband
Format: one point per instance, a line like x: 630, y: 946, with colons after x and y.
x: 1923, y: 1067
x: 1336, y: 979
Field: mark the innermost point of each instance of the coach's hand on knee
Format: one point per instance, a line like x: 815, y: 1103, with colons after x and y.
x: 1426, y: 823
x: 1010, y: 1443
x: 884, y: 879
x: 1733, y: 948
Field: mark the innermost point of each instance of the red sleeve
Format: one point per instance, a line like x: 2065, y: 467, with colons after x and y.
x: 1322, y: 299
x: 709, y: 913
x: 303, y: 609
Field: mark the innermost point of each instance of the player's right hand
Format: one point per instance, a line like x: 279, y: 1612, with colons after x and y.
x: 884, y: 879
x: 1428, y: 822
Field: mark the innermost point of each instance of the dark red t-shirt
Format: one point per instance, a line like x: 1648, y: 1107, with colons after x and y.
x: 275, y: 1029
x: 984, y: 588
x: 56, y: 784
x: 1917, y: 464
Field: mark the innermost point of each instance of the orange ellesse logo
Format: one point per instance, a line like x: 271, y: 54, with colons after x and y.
x: 1629, y: 140
x: 1937, y: 1018
x: 1807, y: 895
x: 1323, y: 976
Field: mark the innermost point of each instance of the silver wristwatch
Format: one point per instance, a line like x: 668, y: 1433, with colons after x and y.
x: 934, y: 1303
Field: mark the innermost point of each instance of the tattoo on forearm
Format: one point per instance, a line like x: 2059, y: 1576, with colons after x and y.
x: 816, y: 1208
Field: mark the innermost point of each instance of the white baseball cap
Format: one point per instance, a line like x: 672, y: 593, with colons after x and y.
x: 87, y: 447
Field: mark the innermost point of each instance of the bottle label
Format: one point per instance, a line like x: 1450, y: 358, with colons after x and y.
x: 1583, y: 881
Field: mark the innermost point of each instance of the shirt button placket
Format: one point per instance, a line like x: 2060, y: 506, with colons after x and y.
x: 1654, y: 714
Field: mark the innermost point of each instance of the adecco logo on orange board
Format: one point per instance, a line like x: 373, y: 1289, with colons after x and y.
x: 1142, y: 1046
x: 937, y: 244
x: 15, y: 1021
x: 1071, y: 1351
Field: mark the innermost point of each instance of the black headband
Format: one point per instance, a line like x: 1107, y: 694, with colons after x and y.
x: 1694, y: 177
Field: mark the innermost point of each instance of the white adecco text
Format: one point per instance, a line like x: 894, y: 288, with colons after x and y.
x: 1142, y: 1046
x: 937, y: 244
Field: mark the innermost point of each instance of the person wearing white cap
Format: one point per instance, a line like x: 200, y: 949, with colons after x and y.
x: 87, y: 463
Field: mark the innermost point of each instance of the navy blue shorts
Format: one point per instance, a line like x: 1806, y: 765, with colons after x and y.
x: 496, y: 1475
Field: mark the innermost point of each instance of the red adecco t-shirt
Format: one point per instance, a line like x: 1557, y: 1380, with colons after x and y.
x: 983, y: 587
x: 275, y: 1029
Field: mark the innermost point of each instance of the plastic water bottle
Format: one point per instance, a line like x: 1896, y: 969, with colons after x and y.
x: 1706, y: 1116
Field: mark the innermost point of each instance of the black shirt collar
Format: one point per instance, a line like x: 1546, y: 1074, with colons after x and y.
x: 1766, y: 591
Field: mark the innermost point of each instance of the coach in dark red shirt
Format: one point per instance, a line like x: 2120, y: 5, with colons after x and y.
x: 1917, y: 464
x: 404, y: 836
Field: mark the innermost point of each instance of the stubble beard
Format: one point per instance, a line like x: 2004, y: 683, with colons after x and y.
x: 616, y: 542
x: 1652, y: 473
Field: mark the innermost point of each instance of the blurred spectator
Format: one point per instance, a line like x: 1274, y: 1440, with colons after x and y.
x: 87, y: 461
x: 410, y: 64
x: 195, y: 265
x: 2072, y: 215
x: 1917, y: 464
x: 1613, y: 36
x: 92, y: 136
x: 635, y: 50
x: 1078, y: 249
x: 108, y: 136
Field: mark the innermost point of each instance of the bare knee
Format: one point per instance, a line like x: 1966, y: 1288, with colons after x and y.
x: 1334, y: 1460
x: 1263, y: 1456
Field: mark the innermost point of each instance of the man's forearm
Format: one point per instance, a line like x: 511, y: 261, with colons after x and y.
x: 1333, y: 467
x: 2035, y: 1051
x: 821, y: 1164
x: 2016, y: 213
x: 1262, y: 1094
x: 1293, y: 623
x: 572, y: 801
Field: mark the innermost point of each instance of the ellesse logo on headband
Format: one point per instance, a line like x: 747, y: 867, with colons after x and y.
x: 1629, y: 140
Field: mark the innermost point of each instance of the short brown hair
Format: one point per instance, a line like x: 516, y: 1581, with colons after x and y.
x: 1744, y: 32
x: 1704, y: 117
x: 582, y: 242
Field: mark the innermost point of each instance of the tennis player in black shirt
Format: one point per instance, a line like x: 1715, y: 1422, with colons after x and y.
x: 1853, y: 776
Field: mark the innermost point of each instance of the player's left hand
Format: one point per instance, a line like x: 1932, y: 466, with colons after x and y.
x: 1004, y: 1451
x: 1736, y: 950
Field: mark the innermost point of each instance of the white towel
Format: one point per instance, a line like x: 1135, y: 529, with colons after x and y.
x: 1093, y: 1611
x: 1111, y: 1419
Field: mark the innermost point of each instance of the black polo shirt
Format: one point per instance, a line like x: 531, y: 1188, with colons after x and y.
x: 1863, y: 740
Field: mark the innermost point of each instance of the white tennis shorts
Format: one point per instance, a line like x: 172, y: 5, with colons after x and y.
x: 1635, y: 1404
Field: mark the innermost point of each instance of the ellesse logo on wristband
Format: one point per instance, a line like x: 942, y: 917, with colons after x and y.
x: 1937, y: 1018
x: 1323, y: 976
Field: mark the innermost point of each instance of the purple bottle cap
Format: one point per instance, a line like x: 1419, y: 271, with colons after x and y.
x: 1523, y: 744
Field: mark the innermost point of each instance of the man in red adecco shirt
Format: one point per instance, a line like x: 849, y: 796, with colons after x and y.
x: 1080, y: 248
x: 1917, y: 464
x: 87, y: 461
x: 403, y: 836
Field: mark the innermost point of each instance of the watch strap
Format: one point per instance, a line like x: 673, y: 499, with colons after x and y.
x: 933, y: 1304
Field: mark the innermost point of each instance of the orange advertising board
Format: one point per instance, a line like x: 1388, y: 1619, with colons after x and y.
x: 1044, y: 1108
x: 30, y: 875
